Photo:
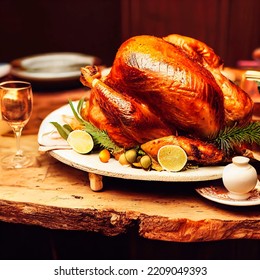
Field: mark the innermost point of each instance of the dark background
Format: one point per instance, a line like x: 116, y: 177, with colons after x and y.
x: 230, y: 27
x: 33, y: 242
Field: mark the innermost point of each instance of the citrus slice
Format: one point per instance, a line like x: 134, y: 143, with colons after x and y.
x: 172, y: 158
x: 80, y: 141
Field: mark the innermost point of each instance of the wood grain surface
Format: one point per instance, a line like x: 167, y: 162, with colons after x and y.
x: 56, y: 196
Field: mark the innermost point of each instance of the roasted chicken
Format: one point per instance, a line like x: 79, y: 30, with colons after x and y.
x: 159, y: 87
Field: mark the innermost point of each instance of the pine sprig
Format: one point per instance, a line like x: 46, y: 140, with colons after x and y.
x: 226, y: 140
x: 100, y: 137
x: 230, y: 137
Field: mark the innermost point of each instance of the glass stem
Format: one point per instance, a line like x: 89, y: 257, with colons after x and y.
x: 18, y: 133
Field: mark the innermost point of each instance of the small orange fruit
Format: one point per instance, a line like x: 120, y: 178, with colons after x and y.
x: 104, y: 155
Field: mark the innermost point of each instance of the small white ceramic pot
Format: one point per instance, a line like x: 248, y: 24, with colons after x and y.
x: 239, y: 178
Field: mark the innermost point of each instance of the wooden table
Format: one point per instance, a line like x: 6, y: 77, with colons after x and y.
x: 56, y: 196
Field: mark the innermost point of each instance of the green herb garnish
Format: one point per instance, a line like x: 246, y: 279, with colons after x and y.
x: 227, y: 139
x: 100, y: 137
x: 230, y: 137
x: 64, y: 130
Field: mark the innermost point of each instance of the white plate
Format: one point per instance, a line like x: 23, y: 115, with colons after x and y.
x: 52, y: 66
x: 4, y: 69
x: 91, y: 163
x: 220, y: 195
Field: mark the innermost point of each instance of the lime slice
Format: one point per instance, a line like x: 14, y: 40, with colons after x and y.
x: 172, y: 158
x: 80, y: 141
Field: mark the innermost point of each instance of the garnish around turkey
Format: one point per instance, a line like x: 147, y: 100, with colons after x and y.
x: 85, y: 138
x: 165, y: 105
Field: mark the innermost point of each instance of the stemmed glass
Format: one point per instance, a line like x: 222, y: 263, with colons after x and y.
x: 16, y: 108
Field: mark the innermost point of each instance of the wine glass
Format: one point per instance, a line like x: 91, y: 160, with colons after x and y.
x: 16, y: 108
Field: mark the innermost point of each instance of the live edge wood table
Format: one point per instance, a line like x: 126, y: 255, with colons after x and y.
x: 56, y: 196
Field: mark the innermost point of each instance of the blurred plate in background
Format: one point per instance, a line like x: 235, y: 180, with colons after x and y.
x: 4, y: 69
x: 52, y: 68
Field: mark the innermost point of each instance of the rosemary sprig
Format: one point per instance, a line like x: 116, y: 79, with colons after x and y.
x: 233, y: 136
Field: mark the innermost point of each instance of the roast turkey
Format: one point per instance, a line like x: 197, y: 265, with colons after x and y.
x: 163, y: 86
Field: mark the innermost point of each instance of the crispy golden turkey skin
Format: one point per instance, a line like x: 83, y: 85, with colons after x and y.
x: 162, y: 86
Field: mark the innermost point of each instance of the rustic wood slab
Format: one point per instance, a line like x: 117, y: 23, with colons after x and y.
x: 56, y: 196
x: 53, y: 195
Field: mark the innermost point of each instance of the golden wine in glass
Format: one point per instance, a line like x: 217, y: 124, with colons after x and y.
x: 16, y: 109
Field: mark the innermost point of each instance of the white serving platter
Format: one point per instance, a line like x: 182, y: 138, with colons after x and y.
x: 48, y: 136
